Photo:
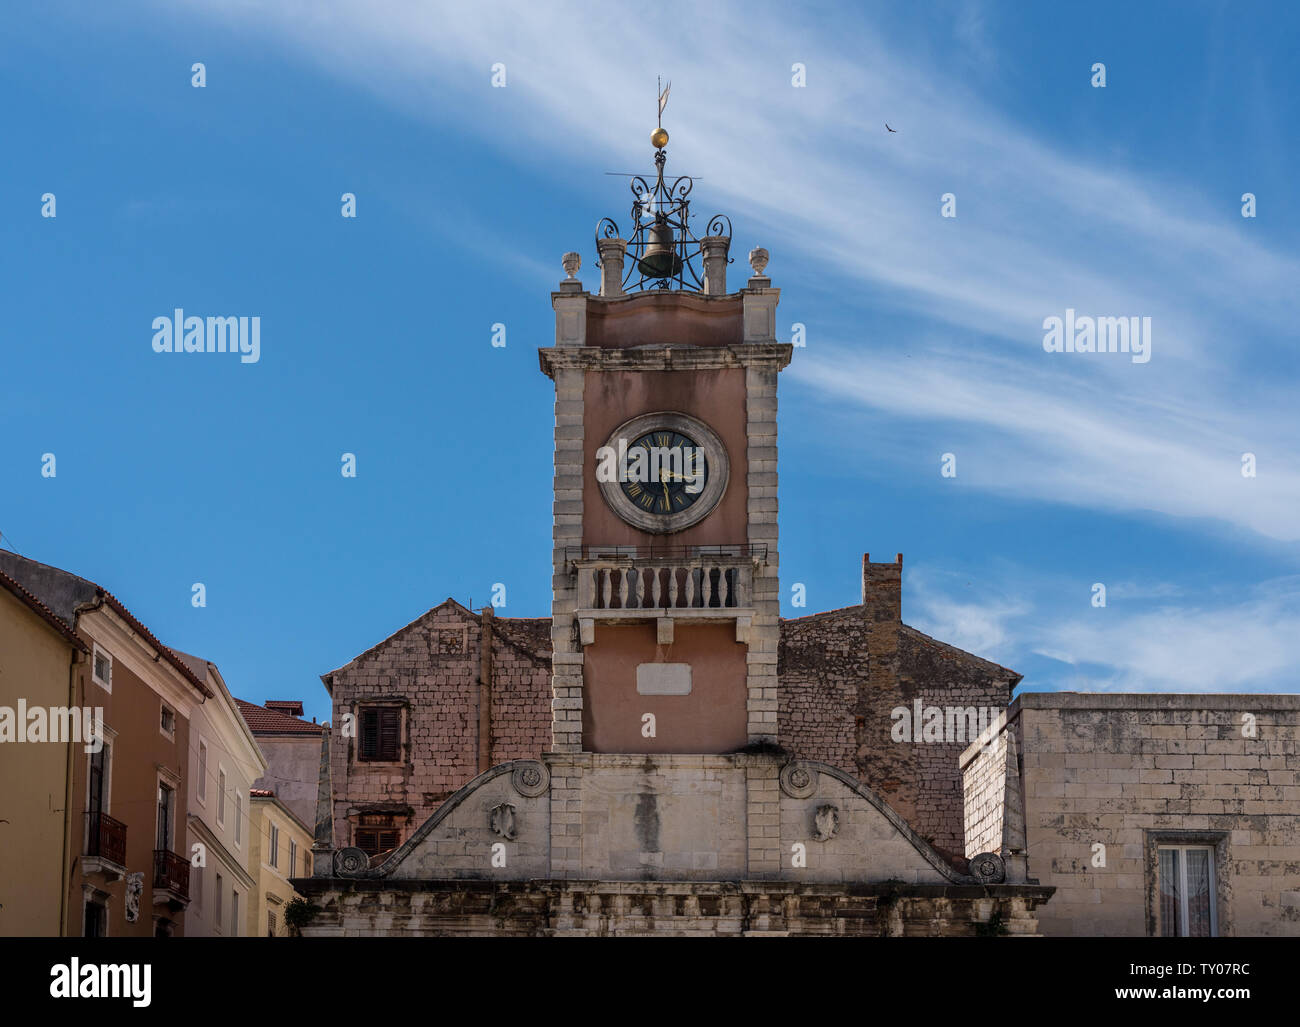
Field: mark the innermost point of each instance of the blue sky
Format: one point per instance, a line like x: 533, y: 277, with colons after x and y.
x: 924, y: 333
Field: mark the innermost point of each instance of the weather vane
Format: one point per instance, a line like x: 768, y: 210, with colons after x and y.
x: 662, y: 247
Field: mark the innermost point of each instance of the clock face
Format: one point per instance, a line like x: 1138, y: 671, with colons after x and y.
x: 662, y: 472
x: 667, y: 472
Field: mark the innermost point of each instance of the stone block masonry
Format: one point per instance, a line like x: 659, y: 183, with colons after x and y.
x: 1115, y: 776
x: 430, y: 672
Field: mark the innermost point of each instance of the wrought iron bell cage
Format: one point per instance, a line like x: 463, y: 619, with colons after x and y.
x: 662, y: 252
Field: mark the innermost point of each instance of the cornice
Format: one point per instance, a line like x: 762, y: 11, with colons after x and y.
x: 766, y: 355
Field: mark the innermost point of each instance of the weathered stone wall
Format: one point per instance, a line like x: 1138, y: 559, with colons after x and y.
x: 984, y: 784
x: 695, y: 909
x: 834, y: 705
x: 838, y: 708
x: 665, y: 848
x: 1127, y: 771
x: 430, y: 669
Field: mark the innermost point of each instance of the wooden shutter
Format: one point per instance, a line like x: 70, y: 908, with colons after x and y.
x: 390, y: 722
x: 369, y: 734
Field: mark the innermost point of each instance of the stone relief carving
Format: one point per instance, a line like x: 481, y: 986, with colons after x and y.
x: 798, y: 781
x: 988, y: 868
x: 350, y: 861
x: 134, y: 886
x: 502, y: 821
x: 531, y: 780
x: 826, y: 821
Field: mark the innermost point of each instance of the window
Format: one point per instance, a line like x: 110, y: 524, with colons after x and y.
x: 270, y: 923
x: 99, y: 776
x: 196, y: 886
x: 234, y: 913
x: 102, y: 668
x: 96, y: 922
x: 374, y: 840
x: 293, y: 855
x: 166, y: 813
x: 274, y: 858
x: 203, y: 771
x: 167, y: 724
x: 219, y: 903
x: 221, y: 797
x: 1186, y: 892
x: 381, y: 729
x: 239, y: 816
x: 376, y: 833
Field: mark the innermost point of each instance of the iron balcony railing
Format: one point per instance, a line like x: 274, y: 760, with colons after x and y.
x: 105, y: 837
x: 172, y: 872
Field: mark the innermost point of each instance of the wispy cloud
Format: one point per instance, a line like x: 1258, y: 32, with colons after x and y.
x: 1249, y: 645
x: 1230, y: 639
x: 1040, y: 227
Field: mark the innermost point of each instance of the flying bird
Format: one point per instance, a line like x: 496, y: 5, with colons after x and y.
x: 894, y: 130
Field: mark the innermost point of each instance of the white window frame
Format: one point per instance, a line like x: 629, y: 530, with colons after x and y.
x: 96, y: 652
x: 1182, y: 885
x: 239, y: 816
x: 219, y: 904
x: 201, y: 787
x: 234, y: 912
x: 273, y: 846
x: 293, y: 856
x: 172, y: 785
x: 221, y: 795
x: 169, y: 735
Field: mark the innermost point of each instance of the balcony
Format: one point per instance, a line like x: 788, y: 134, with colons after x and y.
x: 171, y: 878
x: 105, y: 846
x: 629, y: 584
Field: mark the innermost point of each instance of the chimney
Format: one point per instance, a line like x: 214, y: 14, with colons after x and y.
x: 882, y: 589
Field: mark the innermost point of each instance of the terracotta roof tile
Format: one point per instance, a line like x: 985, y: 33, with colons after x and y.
x: 262, y: 721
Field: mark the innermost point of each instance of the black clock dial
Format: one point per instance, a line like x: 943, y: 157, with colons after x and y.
x: 666, y: 472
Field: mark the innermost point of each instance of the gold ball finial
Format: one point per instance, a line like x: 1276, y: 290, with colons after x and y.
x: 659, y: 137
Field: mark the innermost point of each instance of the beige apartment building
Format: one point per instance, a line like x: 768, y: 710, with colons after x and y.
x: 280, y: 849
x: 40, y: 660
x: 124, y: 864
x: 224, y: 760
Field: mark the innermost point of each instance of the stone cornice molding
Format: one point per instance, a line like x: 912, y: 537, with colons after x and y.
x: 766, y: 355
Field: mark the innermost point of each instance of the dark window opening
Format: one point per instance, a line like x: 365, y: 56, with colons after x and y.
x: 380, y: 737
x: 374, y: 840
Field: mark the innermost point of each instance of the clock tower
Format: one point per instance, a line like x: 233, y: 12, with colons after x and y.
x: 665, y: 609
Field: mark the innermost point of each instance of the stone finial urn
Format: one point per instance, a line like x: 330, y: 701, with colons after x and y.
x: 758, y: 260
x: 571, y: 262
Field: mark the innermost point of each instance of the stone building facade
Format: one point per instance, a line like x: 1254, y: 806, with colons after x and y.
x: 831, y: 708
x: 1111, y: 791
x: 467, y: 691
x: 664, y: 754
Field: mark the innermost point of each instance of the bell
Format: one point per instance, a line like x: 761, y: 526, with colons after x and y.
x: 660, y: 259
